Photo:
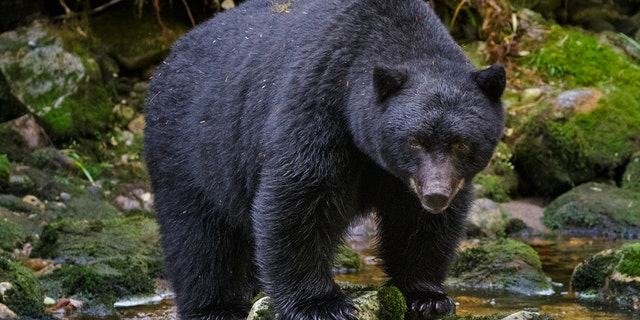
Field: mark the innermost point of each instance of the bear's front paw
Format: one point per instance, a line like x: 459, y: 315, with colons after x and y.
x: 333, y: 309
x: 430, y: 308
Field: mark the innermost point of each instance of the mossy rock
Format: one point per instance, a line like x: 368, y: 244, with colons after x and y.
x: 58, y: 81
x: 373, y: 303
x: 10, y: 234
x: 611, y: 276
x: 595, y: 208
x: 503, y: 264
x: 25, y: 296
x: 486, y: 219
x: 100, y: 242
x: 631, y: 175
x: 499, y: 181
x: 105, y: 260
x: 557, y: 149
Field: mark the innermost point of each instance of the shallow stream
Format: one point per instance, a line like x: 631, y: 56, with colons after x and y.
x: 559, y: 257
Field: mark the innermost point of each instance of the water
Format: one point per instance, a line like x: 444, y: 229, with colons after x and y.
x: 559, y: 257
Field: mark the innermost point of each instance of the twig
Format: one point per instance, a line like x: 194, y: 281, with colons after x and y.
x: 193, y: 21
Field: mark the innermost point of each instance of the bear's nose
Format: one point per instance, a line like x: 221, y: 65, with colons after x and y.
x: 435, y: 202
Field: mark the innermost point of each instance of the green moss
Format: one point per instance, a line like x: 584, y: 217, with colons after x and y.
x: 499, y: 180
x: 10, y: 235
x: 500, y: 264
x: 630, y: 264
x: 25, y: 296
x: 515, y: 225
x: 576, y: 58
x: 601, y: 207
x: 87, y: 281
x: 493, y: 188
x: 589, y: 145
x: 393, y: 306
x: 592, y: 274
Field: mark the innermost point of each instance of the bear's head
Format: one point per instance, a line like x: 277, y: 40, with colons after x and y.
x: 437, y: 131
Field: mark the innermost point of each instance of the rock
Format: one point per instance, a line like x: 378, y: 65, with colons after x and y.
x: 503, y: 264
x: 6, y: 313
x: 373, y: 303
x: 595, y: 209
x: 61, y: 87
x: 579, y: 100
x: 487, y: 219
x: 127, y: 204
x: 631, y: 175
x: 21, y: 136
x: 522, y: 315
x: 136, y: 125
x: 530, y: 212
x: 611, y: 276
x: 530, y: 95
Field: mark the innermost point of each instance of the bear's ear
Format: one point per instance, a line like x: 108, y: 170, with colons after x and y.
x: 387, y: 81
x: 491, y: 80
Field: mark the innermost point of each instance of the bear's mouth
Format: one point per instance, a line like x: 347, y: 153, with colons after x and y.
x: 436, y: 197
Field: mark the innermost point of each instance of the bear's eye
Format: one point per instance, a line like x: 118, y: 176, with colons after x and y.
x: 414, y: 143
x: 461, y: 148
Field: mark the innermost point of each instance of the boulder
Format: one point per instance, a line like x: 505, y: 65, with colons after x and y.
x: 595, y: 209
x: 611, y: 276
x: 60, y: 84
x: 503, y: 264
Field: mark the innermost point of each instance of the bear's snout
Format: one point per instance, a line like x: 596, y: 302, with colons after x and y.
x: 436, y: 185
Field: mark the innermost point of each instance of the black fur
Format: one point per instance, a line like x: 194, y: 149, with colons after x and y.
x: 267, y: 135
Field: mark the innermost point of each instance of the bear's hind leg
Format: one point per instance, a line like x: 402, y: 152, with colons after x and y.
x: 210, y: 264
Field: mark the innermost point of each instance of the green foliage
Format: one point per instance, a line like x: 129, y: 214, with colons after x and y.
x: 25, y: 296
x: 393, y: 306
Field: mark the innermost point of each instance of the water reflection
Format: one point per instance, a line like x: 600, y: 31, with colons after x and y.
x: 559, y: 257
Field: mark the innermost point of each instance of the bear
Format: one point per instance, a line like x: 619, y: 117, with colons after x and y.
x: 270, y: 129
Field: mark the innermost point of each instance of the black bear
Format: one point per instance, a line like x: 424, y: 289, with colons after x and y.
x: 271, y: 127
